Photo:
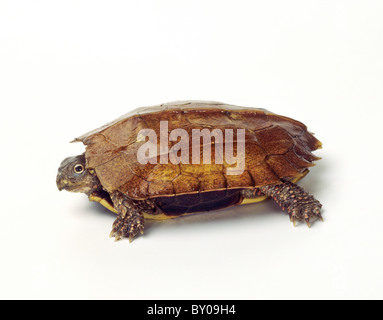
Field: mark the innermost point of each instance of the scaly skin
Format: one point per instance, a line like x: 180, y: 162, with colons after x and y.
x: 130, y: 218
x: 300, y: 205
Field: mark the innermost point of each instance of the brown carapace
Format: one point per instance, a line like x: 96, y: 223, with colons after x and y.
x: 275, y: 153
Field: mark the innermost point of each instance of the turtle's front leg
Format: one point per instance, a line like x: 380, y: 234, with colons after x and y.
x: 130, y: 219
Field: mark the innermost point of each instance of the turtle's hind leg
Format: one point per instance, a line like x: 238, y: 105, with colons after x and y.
x: 130, y: 216
x: 300, y: 205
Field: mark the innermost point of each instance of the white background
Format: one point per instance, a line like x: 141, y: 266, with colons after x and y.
x: 67, y: 67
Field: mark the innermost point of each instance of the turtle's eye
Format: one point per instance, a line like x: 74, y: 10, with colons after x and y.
x: 79, y: 168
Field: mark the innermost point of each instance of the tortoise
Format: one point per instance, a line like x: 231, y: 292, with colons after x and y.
x: 274, y: 151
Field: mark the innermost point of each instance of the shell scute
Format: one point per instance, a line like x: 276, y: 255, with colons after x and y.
x: 274, y: 140
x: 186, y: 183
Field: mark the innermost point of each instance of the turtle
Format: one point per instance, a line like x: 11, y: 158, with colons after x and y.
x: 126, y: 167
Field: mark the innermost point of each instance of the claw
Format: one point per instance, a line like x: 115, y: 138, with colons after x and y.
x: 308, y: 222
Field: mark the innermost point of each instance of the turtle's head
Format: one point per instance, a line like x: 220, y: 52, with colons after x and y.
x: 73, y: 176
